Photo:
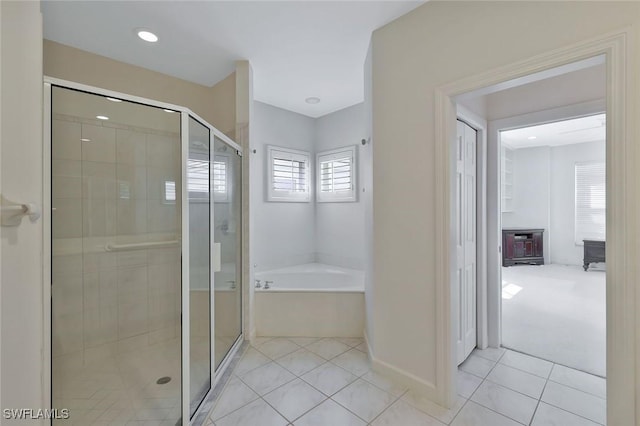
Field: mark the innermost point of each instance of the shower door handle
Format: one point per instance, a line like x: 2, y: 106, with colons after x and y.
x: 217, y: 267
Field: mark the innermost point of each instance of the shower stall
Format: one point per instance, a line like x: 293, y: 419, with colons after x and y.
x: 144, y: 256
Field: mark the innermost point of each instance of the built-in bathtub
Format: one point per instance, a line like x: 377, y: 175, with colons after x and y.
x: 310, y: 300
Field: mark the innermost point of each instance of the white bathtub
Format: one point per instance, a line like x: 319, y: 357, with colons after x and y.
x: 312, y: 300
x: 314, y: 277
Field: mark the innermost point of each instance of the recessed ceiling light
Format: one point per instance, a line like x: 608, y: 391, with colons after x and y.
x: 114, y: 99
x: 147, y: 35
x: 102, y: 117
x: 312, y: 100
x: 532, y: 138
x: 168, y: 110
x: 85, y: 140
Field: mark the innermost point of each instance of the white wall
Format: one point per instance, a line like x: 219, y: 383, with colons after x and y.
x: 531, y: 192
x: 340, y: 226
x: 562, y: 196
x: 544, y: 196
x: 477, y: 105
x: 585, y: 85
x: 284, y: 233
x: 21, y: 145
x: 287, y: 234
x: 366, y: 163
x: 437, y: 43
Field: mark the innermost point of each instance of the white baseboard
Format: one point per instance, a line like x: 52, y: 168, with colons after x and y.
x: 366, y: 342
x: 398, y: 375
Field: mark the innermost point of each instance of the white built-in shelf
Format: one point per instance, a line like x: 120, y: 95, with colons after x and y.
x: 506, y: 184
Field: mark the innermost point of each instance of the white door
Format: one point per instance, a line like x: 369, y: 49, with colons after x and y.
x: 466, y: 239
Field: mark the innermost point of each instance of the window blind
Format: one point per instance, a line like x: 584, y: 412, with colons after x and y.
x: 169, y: 191
x: 219, y: 177
x: 198, y: 181
x: 198, y: 176
x: 336, y: 175
x: 289, y: 175
x: 590, y: 192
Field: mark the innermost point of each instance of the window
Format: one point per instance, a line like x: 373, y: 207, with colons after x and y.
x: 590, y: 212
x: 288, y: 175
x: 221, y: 178
x: 169, y: 192
x: 198, y: 179
x: 336, y: 175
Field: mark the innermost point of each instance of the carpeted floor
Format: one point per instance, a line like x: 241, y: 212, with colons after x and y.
x: 557, y: 313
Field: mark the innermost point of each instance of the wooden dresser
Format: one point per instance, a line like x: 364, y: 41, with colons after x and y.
x: 522, y: 247
x: 594, y: 251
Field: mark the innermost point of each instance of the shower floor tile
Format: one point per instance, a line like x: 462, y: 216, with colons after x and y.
x: 120, y: 388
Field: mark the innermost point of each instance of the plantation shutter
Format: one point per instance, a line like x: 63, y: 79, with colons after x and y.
x: 198, y: 176
x: 590, y: 214
x: 336, y: 175
x: 220, y: 179
x: 289, y: 175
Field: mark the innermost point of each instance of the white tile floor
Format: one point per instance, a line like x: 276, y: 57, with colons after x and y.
x: 328, y: 382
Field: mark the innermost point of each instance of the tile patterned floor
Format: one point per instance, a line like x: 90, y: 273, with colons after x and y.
x: 121, y: 389
x: 327, y: 382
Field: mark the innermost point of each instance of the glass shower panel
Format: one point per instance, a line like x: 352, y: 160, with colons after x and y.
x: 227, y: 199
x: 198, y: 184
x: 116, y: 286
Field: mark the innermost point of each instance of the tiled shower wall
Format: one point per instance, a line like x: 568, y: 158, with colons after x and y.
x: 111, y: 190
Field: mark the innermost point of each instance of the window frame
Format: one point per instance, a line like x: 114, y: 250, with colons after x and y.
x: 336, y: 154
x: 579, y: 234
x: 274, y: 195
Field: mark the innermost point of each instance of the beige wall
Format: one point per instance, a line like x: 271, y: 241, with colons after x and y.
x: 244, y: 135
x: 215, y: 104
x: 21, y: 144
x: 438, y: 43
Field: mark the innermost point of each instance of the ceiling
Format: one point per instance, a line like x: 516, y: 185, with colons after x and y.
x: 298, y: 49
x: 584, y: 129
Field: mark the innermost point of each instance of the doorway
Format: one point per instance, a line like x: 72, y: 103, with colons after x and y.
x: 615, y: 147
x: 553, y: 215
x: 538, y: 307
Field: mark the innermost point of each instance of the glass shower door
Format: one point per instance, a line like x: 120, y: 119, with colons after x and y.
x: 227, y: 199
x: 116, y: 260
x: 199, y: 187
x: 143, y: 200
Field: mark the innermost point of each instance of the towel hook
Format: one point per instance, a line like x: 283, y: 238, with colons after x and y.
x: 12, y: 212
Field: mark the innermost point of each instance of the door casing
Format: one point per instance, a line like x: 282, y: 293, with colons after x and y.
x: 621, y: 214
